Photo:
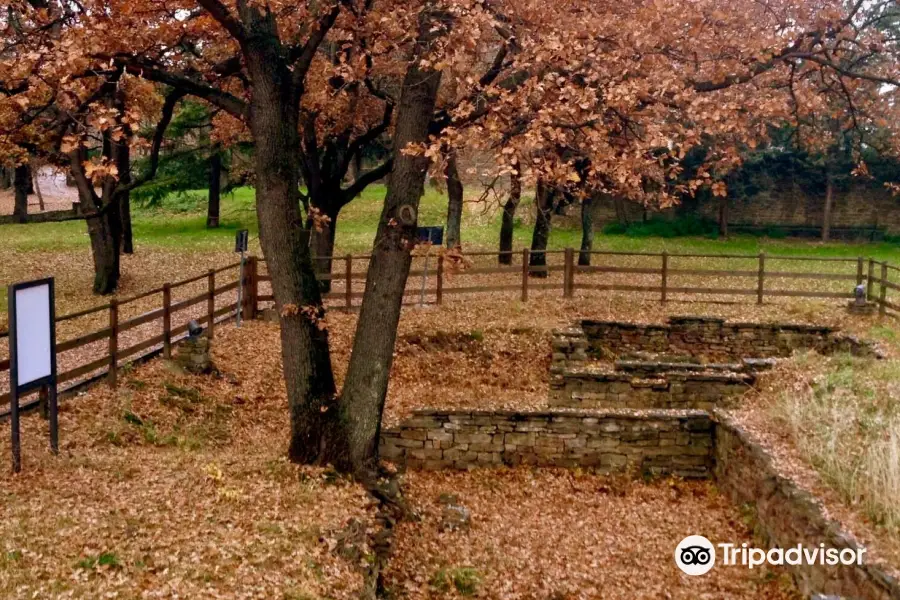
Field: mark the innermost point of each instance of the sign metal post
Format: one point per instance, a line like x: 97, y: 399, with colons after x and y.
x: 241, y: 241
x: 434, y: 236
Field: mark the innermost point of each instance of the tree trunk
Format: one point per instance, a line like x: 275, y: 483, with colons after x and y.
x: 723, y: 217
x: 36, y: 184
x: 215, y: 190
x: 587, y: 231
x: 508, y: 222
x: 322, y: 244
x: 543, y: 201
x: 21, y: 182
x: 5, y: 178
x: 454, y: 203
x: 105, y: 235
x: 621, y: 211
x: 365, y: 387
x: 123, y: 161
x: 316, y: 423
x: 829, y: 202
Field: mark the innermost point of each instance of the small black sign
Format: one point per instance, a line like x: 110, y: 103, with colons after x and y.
x: 435, y: 235
x: 241, y: 239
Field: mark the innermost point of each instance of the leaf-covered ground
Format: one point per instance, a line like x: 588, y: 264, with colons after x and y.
x: 567, y: 535
x: 176, y: 486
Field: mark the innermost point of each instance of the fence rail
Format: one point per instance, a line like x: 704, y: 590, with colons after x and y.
x: 612, y: 271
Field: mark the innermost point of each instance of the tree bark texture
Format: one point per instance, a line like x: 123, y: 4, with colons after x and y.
x: 21, y: 183
x: 723, y: 217
x: 507, y: 224
x: 365, y: 387
x: 829, y: 204
x: 587, y: 231
x: 543, y: 201
x: 454, y: 202
x: 215, y: 191
x: 322, y: 245
x: 316, y: 422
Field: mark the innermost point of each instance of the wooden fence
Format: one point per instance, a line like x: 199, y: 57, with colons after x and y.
x: 661, y: 276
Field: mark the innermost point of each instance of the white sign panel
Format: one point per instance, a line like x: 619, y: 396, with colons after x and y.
x: 33, y: 345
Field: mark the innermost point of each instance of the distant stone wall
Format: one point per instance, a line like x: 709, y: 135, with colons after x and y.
x: 787, y: 516
x: 701, y: 339
x: 640, y: 442
x: 784, y: 204
x: 592, y: 388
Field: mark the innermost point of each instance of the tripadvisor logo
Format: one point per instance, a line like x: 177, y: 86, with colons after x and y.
x: 696, y: 555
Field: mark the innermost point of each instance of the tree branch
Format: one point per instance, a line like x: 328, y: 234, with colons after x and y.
x: 223, y: 16
x: 365, y: 180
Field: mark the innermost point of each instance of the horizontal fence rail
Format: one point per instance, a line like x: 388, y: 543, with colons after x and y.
x: 152, y: 321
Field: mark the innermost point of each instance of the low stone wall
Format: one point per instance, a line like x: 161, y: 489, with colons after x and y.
x: 700, y: 339
x: 594, y: 388
x: 641, y: 442
x: 787, y: 516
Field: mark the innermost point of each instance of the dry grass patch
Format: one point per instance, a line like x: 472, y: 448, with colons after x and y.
x: 567, y: 535
x: 843, y: 414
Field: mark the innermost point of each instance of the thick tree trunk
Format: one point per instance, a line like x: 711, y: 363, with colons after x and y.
x: 316, y: 423
x: 723, y: 217
x: 322, y: 244
x: 587, y: 231
x: 104, y: 231
x: 215, y: 191
x: 829, y: 203
x: 454, y: 203
x: 365, y: 387
x: 543, y: 201
x: 21, y: 183
x: 508, y: 222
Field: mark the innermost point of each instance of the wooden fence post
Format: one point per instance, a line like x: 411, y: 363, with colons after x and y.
x: 348, y: 291
x: 525, y: 257
x: 665, y: 275
x: 211, y: 304
x: 439, y: 294
x: 251, y: 291
x: 113, y: 342
x: 568, y: 268
x: 869, y: 278
x: 883, y: 299
x: 761, y: 278
x: 860, y: 262
x: 167, y: 321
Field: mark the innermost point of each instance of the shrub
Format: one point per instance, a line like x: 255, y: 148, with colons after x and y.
x: 681, y: 226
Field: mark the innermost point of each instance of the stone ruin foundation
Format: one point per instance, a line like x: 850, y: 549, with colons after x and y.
x: 691, y: 362
x: 646, y: 400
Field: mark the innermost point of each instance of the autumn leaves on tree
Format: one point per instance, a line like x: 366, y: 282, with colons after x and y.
x: 576, y: 98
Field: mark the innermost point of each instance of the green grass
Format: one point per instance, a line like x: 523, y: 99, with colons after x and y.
x: 180, y: 224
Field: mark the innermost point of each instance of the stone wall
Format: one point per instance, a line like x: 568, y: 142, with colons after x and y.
x: 638, y: 442
x: 594, y: 388
x: 787, y: 516
x: 700, y: 339
x: 784, y: 204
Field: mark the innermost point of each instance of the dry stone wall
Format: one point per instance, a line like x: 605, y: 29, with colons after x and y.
x: 594, y: 388
x: 642, y: 442
x: 697, y: 339
x: 787, y: 515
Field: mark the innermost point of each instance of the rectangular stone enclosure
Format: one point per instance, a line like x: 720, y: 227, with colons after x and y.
x: 702, y: 339
x: 640, y: 442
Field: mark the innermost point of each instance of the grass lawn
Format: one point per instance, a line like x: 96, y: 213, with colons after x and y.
x: 172, y: 241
